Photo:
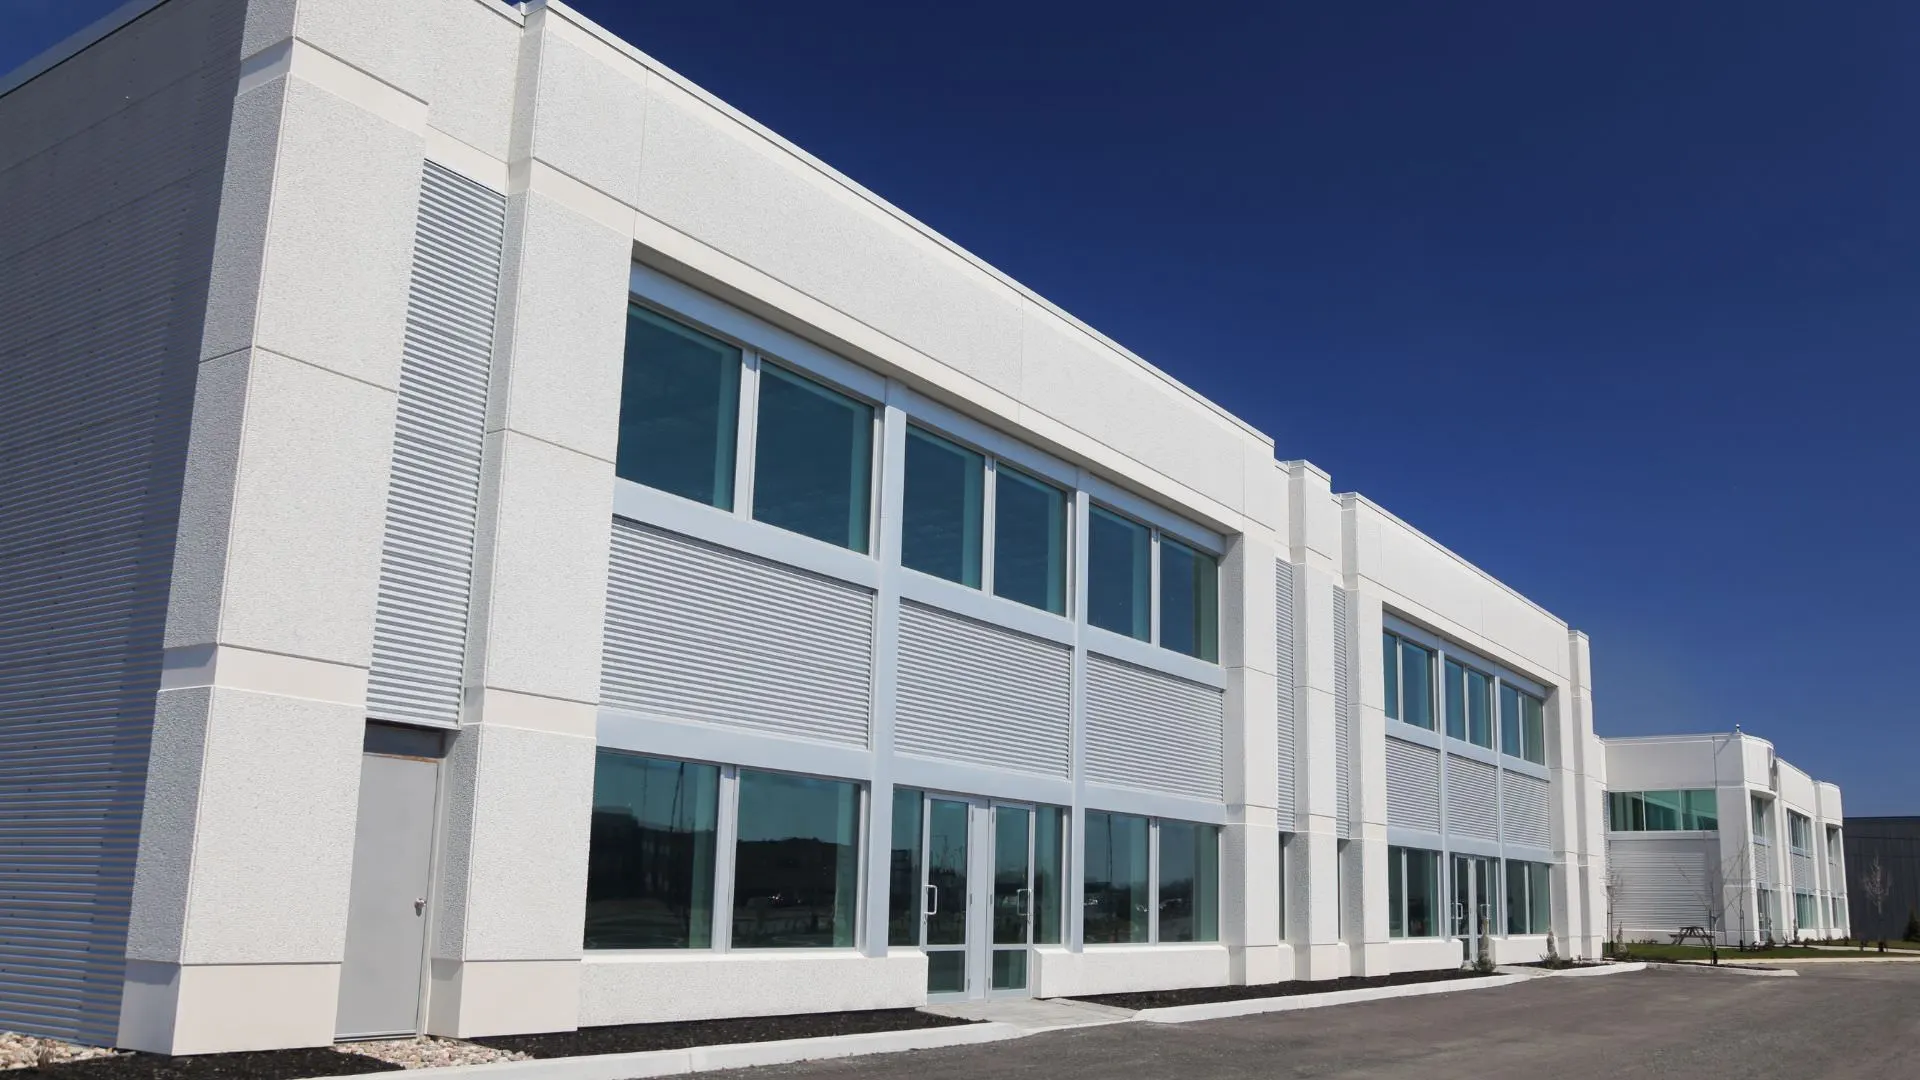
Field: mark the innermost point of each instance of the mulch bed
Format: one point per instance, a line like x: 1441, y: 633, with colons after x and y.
x: 1563, y: 965
x: 246, y: 1065
x: 1208, y: 995
x: 631, y: 1038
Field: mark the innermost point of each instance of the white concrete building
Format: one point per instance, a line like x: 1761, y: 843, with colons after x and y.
x: 499, y: 541
x: 1715, y: 831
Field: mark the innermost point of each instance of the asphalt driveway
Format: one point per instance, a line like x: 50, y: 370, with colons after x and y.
x: 1834, y: 1021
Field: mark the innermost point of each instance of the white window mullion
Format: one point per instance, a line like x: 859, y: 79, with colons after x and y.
x: 726, y: 836
x: 988, y: 501
x: 1153, y: 881
x: 747, y: 436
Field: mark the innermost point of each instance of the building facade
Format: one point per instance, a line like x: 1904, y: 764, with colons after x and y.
x: 1883, y: 875
x: 1715, y: 831
x: 503, y: 542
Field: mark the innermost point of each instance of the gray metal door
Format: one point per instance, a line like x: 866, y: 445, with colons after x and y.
x: 392, y: 865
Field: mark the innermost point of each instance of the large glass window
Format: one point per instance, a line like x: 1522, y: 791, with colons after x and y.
x: 1803, y: 916
x: 1189, y: 882
x: 1703, y: 809
x: 1762, y: 818
x: 1413, y: 893
x: 1119, y: 570
x: 650, y: 853
x: 1118, y: 898
x: 940, y: 510
x: 1029, y: 541
x: 679, y: 410
x: 1799, y: 832
x: 1529, y: 897
x: 1523, y: 730
x: 812, y: 460
x: 904, y: 894
x: 1189, y: 601
x: 1694, y: 809
x: 1049, y: 866
x: 1409, y: 675
x: 1469, y: 704
x: 1663, y: 811
x: 797, y: 864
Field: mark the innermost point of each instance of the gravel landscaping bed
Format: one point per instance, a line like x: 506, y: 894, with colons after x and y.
x: 1208, y: 995
x: 250, y: 1065
x: 632, y: 1038
x: 26, y: 1051
x: 427, y: 1052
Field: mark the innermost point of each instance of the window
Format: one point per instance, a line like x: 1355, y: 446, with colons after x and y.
x: 1117, y: 905
x: 1049, y: 868
x: 679, y: 410
x: 1762, y: 819
x: 1693, y: 810
x: 812, y: 460
x: 1124, y: 903
x: 1413, y: 893
x: 1469, y: 704
x: 650, y: 854
x: 1284, y: 845
x: 1803, y: 911
x: 1189, y: 882
x: 1799, y: 832
x: 904, y: 894
x: 941, y: 508
x: 797, y: 863
x: 1189, y: 601
x: 1523, y: 730
x: 1029, y: 541
x: 1529, y: 897
x: 1409, y: 674
x: 1119, y: 573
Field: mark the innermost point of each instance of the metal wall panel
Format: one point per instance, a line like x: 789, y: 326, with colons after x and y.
x: 697, y: 632
x: 1284, y: 676
x: 426, y: 563
x: 1473, y: 800
x: 1413, y: 785
x: 1763, y: 864
x: 1664, y: 883
x: 111, y: 193
x: 1345, y: 705
x: 1152, y: 731
x: 1525, y: 808
x: 1802, y: 866
x: 970, y: 692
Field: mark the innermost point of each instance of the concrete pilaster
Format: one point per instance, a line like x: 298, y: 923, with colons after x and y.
x: 1250, y: 863
x: 1314, y: 548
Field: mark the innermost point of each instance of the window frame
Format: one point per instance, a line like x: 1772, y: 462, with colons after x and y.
x: 725, y: 860
x: 1442, y: 650
x: 876, y: 441
x: 1153, y: 877
x: 1398, y: 856
x: 1398, y: 712
x: 983, y: 544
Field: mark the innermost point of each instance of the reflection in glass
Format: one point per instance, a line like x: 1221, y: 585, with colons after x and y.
x: 1480, y: 708
x: 1029, y: 541
x: 1416, y: 685
x: 1189, y: 882
x: 1049, y: 894
x: 947, y: 872
x: 1703, y: 810
x: 940, y: 509
x: 1663, y: 810
x: 904, y: 894
x: 1540, y: 896
x: 797, y: 864
x: 1012, y: 893
x: 812, y: 459
x: 1396, y: 893
x: 1189, y: 601
x: 1518, y: 910
x: 679, y: 409
x: 1115, y: 879
x: 947, y: 972
x: 1390, y: 664
x: 1533, y: 729
x: 650, y: 853
x: 1510, y: 741
x: 1010, y: 969
x: 1119, y: 569
x: 1413, y: 892
x: 1456, y: 686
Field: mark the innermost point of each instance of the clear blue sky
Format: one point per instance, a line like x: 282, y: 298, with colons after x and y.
x: 1621, y: 301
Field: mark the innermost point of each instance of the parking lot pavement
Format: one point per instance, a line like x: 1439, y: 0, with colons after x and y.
x: 1834, y: 1021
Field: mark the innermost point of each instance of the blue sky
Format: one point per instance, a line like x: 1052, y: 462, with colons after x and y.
x: 1621, y: 302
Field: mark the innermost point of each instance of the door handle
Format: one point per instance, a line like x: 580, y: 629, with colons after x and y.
x: 933, y: 899
x: 1024, y: 898
x: 419, y: 905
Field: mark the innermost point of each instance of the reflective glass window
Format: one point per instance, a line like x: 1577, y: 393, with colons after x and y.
x: 650, y: 853
x: 1117, y: 891
x: 812, y: 459
x: 797, y: 863
x: 1049, y: 862
x: 904, y: 894
x: 679, y: 410
x: 1416, y: 685
x: 1029, y: 541
x: 1189, y: 601
x: 940, y: 510
x: 1189, y: 882
x: 1119, y: 570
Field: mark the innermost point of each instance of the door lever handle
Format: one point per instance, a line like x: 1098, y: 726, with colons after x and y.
x: 419, y: 905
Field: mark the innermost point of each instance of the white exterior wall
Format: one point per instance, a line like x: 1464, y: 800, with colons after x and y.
x: 620, y: 177
x: 1655, y: 886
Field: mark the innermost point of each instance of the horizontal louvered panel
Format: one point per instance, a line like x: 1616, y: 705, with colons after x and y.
x: 1413, y: 786
x: 1473, y: 801
x: 1152, y: 731
x: 1802, y: 866
x: 1763, y: 873
x: 1662, y: 884
x: 971, y: 692
x: 103, y: 271
x: 697, y: 632
x: 1343, y: 712
x: 1527, y: 817
x: 1283, y: 685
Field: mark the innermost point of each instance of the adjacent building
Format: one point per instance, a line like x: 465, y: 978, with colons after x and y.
x: 499, y: 541
x: 1716, y: 832
x: 1883, y: 876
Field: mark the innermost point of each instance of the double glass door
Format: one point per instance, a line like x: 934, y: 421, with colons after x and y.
x: 1474, y: 882
x: 978, y: 907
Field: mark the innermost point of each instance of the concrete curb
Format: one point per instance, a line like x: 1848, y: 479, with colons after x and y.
x: 1219, y: 1010
x: 1613, y: 968
x: 1723, y: 969
x: 1870, y: 958
x: 649, y: 1063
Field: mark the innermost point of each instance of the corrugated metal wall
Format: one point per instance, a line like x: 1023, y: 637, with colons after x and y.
x: 1153, y: 731
x: 1284, y: 677
x: 696, y: 632
x: 1802, y: 866
x: 1473, y: 801
x: 1527, y: 808
x: 1763, y: 864
x: 426, y: 564
x: 110, y: 176
x: 1665, y: 883
x: 1344, y: 704
x: 1413, y: 785
x: 971, y: 692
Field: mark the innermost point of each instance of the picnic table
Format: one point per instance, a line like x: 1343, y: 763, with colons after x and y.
x: 1693, y: 932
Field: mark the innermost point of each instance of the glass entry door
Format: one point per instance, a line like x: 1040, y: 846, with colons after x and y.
x: 977, y: 921
x: 946, y: 907
x: 1012, y: 899
x: 1473, y: 898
